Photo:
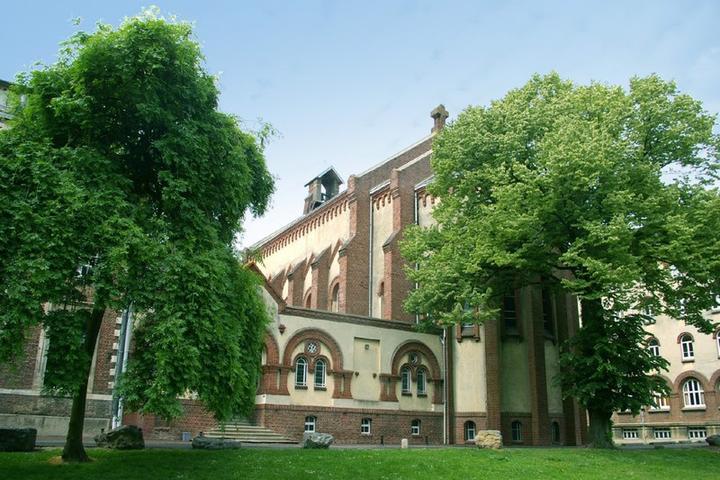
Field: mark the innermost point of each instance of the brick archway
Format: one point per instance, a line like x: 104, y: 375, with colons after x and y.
x: 421, y: 348
x: 691, y: 374
x: 314, y: 334
x: 272, y: 350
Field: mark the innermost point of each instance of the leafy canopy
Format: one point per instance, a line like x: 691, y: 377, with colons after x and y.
x: 606, y: 193
x: 121, y: 182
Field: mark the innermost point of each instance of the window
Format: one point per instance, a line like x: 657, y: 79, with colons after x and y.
x: 693, y: 394
x: 697, y: 433
x: 301, y: 372
x: 660, y: 402
x: 687, y: 347
x: 335, y: 298
x: 467, y: 330
x: 310, y: 423
x: 555, y: 432
x: 415, y: 427
x: 630, y: 433
x: 320, y: 373
x: 469, y: 431
x: 381, y: 300
x: 662, y: 433
x: 421, y: 382
x: 405, y: 381
x: 654, y: 347
x: 516, y: 431
x: 548, y: 325
x: 365, y: 425
x: 509, y: 314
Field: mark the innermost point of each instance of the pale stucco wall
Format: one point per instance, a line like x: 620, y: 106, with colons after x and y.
x: 382, y: 217
x: 470, y: 384
x: 315, y: 241
x: 552, y: 369
x: 515, y: 377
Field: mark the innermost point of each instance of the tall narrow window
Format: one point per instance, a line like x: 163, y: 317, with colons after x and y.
x: 320, y: 373
x: 308, y: 301
x: 516, y: 431
x: 310, y: 423
x: 469, y: 431
x: 415, y: 427
x: 335, y: 298
x: 381, y: 300
x: 555, y: 431
x: 509, y: 314
x: 693, y: 394
x: 301, y: 372
x: 548, y: 324
x: 687, y: 347
x: 421, y: 382
x: 405, y: 380
x: 654, y: 347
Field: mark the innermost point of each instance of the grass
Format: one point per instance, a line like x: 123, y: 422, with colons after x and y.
x: 356, y: 464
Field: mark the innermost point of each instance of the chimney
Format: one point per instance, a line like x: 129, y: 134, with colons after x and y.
x: 439, y: 115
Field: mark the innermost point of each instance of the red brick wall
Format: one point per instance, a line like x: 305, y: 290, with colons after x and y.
x: 195, y: 419
x: 344, y: 423
x: 104, y: 353
x: 19, y: 372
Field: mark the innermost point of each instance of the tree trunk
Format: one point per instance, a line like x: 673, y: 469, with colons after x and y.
x: 74, y: 450
x: 600, y: 430
x: 600, y: 427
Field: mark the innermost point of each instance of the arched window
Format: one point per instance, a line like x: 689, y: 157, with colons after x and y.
x: 687, y: 347
x: 654, y: 347
x: 555, y: 432
x: 335, y: 298
x: 421, y: 382
x: 301, y: 372
x: 320, y: 373
x: 365, y: 426
x: 308, y: 301
x: 405, y: 380
x: 693, y: 394
x: 415, y: 427
x: 469, y: 431
x: 310, y: 422
x: 516, y: 431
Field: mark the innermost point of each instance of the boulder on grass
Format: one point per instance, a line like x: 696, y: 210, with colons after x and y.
x: 713, y: 440
x: 124, y: 437
x: 489, y: 439
x: 17, y: 439
x: 208, y: 443
x: 317, y: 440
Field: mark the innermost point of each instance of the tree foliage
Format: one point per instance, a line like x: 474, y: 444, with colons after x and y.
x: 120, y: 182
x: 604, y: 192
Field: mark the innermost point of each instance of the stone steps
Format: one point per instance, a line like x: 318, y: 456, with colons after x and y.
x: 243, y: 431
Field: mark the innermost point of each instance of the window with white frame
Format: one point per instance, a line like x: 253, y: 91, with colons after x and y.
x: 660, y: 402
x: 310, y: 423
x: 301, y: 367
x: 421, y: 382
x: 320, y: 369
x: 365, y: 425
x: 630, y: 434
x: 516, y: 431
x: 415, y: 427
x: 697, y: 433
x: 693, y: 394
x: 405, y: 380
x: 687, y: 347
x: 509, y: 314
x: 662, y: 433
x: 469, y: 431
x: 654, y: 347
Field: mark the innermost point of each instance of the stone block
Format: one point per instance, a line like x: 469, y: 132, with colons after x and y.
x: 317, y: 440
x: 489, y: 439
x: 17, y: 439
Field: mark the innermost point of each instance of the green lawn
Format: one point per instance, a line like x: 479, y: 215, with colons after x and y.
x: 433, y: 464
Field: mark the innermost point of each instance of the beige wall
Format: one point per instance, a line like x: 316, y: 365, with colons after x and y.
x: 552, y: 370
x: 315, y: 241
x: 470, y: 384
x: 515, y: 377
x: 382, y: 228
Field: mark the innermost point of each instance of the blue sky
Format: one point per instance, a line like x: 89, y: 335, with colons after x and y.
x: 349, y: 83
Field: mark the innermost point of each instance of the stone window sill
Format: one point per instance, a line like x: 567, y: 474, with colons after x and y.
x: 422, y: 394
x: 407, y: 394
x: 301, y: 387
x: 320, y: 389
x: 659, y: 410
x: 688, y: 360
x: 699, y: 408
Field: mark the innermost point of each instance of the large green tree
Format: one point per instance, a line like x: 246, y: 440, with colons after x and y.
x: 120, y: 183
x: 603, y: 192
